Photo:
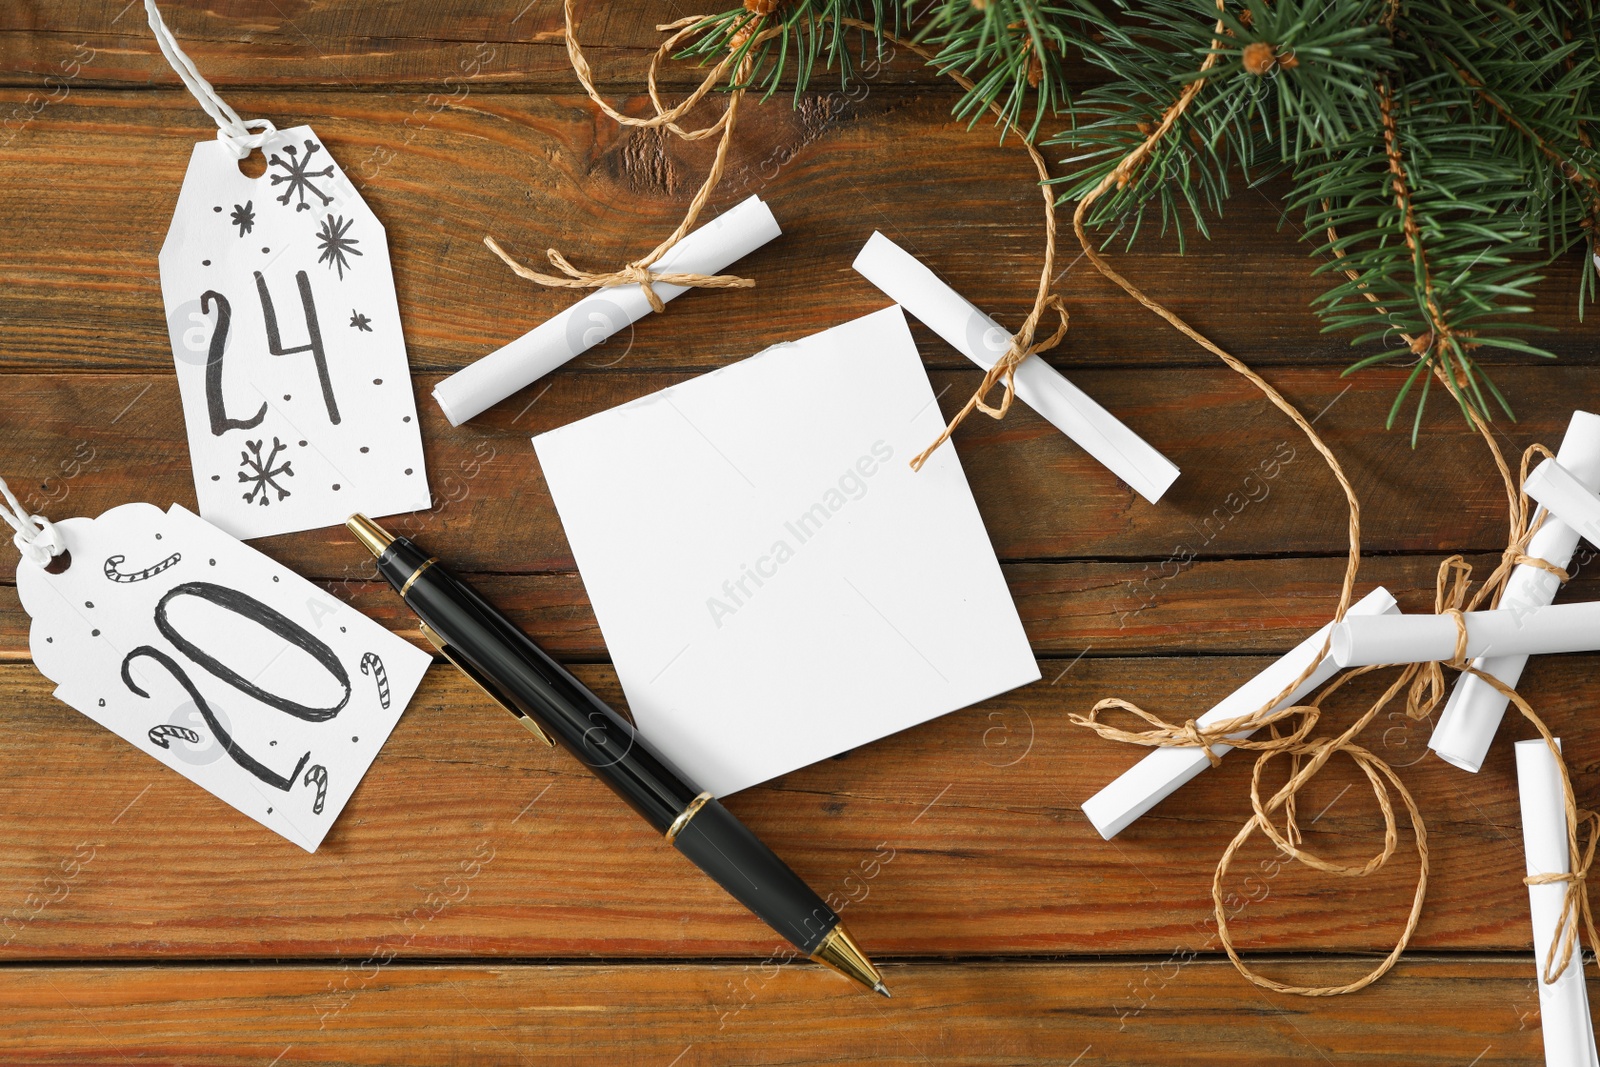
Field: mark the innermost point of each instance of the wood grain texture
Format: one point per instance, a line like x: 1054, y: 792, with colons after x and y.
x: 349, y: 44
x: 961, y: 837
x: 1067, y: 608
x: 539, y: 171
x: 74, y: 443
x: 1443, y: 1013
x: 527, y: 915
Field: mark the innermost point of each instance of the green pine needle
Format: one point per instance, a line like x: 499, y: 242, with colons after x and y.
x: 1432, y: 228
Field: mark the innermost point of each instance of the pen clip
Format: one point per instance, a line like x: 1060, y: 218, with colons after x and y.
x: 484, y: 684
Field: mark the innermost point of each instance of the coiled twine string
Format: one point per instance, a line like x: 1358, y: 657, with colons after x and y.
x: 1423, y: 683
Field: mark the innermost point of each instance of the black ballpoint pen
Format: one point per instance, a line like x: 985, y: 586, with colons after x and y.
x: 548, y: 700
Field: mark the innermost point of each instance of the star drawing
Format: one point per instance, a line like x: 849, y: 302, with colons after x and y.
x: 335, y: 245
x: 259, y: 473
x: 298, y: 174
x: 360, y: 321
x: 244, y: 217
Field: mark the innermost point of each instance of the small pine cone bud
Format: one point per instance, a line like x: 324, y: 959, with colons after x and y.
x: 1260, y: 57
x: 980, y: 5
x: 1289, y: 62
x: 1421, y: 344
x: 761, y: 7
x: 1246, y: 17
x: 1035, y: 72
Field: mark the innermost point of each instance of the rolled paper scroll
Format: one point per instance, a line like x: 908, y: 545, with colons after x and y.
x: 1563, y: 1004
x: 1160, y: 774
x: 1566, y: 498
x: 1470, y: 719
x: 909, y: 283
x: 710, y: 249
x: 1505, y: 631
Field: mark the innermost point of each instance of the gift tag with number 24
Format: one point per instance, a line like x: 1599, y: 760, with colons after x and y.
x: 286, y: 337
x: 285, y: 331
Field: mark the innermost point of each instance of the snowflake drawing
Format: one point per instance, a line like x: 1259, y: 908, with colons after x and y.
x: 335, y: 245
x: 299, y: 174
x: 259, y: 473
x: 244, y: 217
x: 360, y: 321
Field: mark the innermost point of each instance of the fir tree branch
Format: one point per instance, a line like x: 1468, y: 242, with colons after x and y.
x: 1445, y: 148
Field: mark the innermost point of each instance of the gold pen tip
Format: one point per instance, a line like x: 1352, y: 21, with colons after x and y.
x: 838, y: 951
x: 372, y: 536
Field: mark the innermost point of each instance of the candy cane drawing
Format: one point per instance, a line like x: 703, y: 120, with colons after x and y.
x: 138, y: 576
x: 371, y: 659
x: 318, y: 774
x: 159, y: 734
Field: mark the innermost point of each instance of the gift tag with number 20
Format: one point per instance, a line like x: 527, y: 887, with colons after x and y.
x: 230, y: 669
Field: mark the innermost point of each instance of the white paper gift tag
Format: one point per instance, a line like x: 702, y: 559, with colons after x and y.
x: 233, y: 671
x: 286, y: 334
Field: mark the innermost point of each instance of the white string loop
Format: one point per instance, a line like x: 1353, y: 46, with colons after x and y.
x: 37, y: 538
x: 232, y: 131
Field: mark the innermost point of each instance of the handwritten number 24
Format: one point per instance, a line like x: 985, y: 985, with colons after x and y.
x: 216, y: 408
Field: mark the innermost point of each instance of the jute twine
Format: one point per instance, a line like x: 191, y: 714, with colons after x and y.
x: 1289, y: 729
x: 639, y: 271
x: 1423, y: 683
x: 743, y: 42
x: 1021, y: 344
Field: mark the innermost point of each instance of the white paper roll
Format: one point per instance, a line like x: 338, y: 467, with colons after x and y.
x: 1426, y: 638
x: 1566, y: 498
x: 1473, y: 713
x: 909, y: 283
x: 1563, y: 1004
x: 1157, y: 776
x: 710, y: 249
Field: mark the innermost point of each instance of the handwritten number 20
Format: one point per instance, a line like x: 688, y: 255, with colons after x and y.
x: 274, y: 622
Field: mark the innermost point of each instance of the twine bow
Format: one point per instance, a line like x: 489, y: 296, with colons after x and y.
x: 1190, y: 734
x: 1526, y: 520
x: 1004, y: 371
x: 635, y: 273
x: 1575, y: 902
x: 638, y: 272
x: 1450, y: 600
x: 36, y: 537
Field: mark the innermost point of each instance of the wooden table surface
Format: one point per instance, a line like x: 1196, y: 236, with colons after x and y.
x: 1011, y: 933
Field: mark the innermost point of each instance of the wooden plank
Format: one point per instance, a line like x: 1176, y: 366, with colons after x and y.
x: 961, y: 837
x: 82, y: 287
x: 1098, y: 609
x: 344, y: 44
x: 1445, y: 1012
x: 80, y: 444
